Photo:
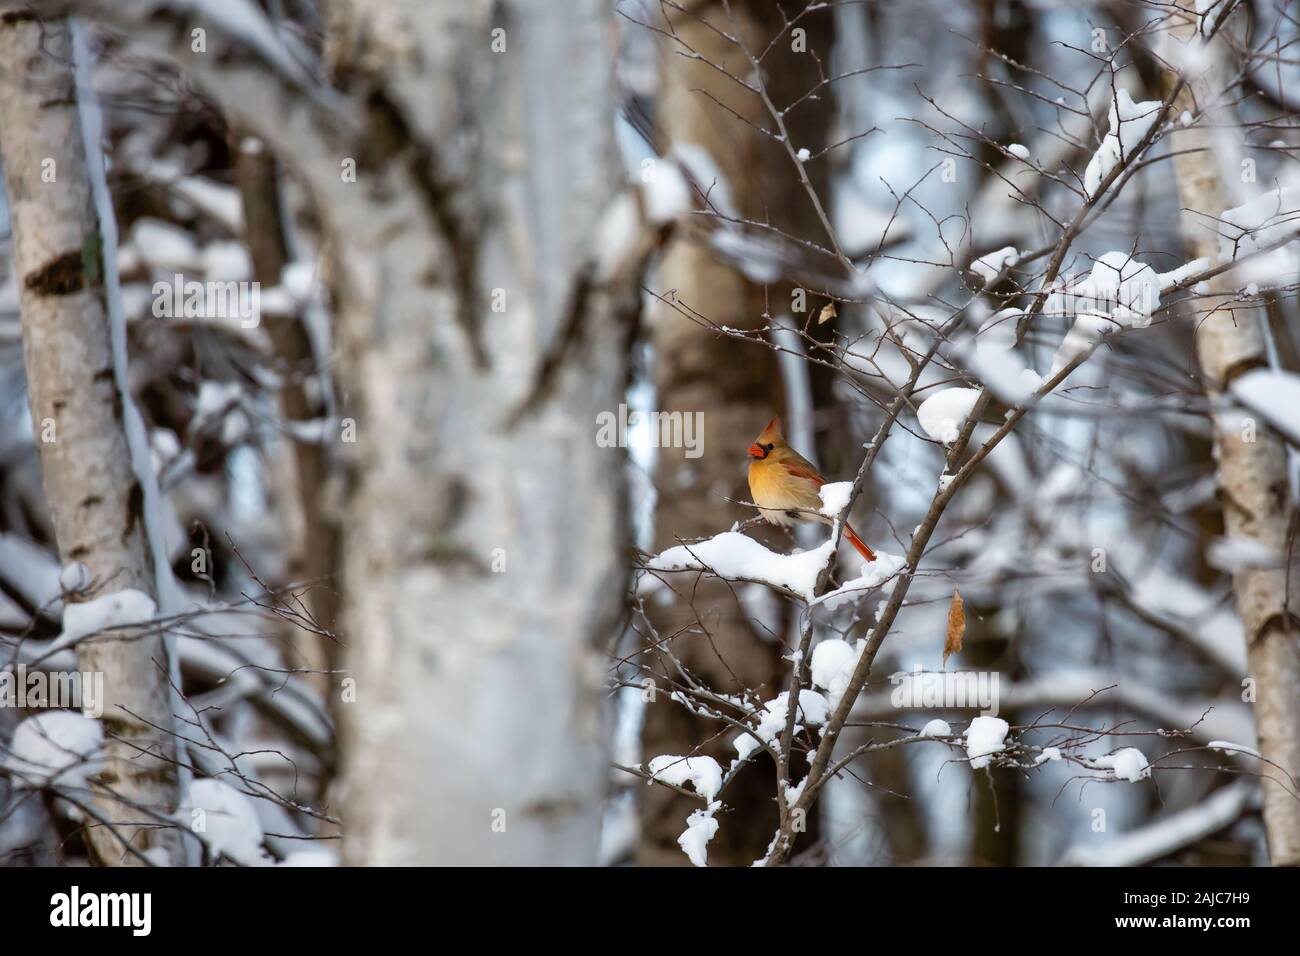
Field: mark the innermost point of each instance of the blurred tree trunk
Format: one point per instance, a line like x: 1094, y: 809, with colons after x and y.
x: 313, y: 528
x: 461, y: 166
x: 76, y: 401
x: 485, y: 539
x: 737, y: 387
x: 1251, y: 469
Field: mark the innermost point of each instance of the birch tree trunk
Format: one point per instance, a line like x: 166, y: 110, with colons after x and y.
x: 1250, y: 464
x: 462, y: 164
x: 76, y: 401
x: 485, y: 543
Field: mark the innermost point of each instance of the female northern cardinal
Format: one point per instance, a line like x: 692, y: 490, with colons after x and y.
x: 786, y: 486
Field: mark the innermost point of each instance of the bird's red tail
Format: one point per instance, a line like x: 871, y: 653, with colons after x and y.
x: 859, y: 544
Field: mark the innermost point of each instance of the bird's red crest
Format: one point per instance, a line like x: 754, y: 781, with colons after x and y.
x: 771, y: 432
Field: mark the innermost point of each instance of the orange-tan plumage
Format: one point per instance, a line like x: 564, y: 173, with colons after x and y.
x: 785, y: 485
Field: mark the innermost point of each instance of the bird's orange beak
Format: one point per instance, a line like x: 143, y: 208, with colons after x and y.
x: 757, y: 451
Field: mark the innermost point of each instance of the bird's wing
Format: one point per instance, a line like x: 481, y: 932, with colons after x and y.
x: 801, y: 469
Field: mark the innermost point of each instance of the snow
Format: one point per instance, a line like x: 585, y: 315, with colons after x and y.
x: 734, y: 555
x: 616, y: 235
x: 1275, y: 395
x: 164, y: 247
x: 943, y: 413
x: 874, y: 574
x: 666, y: 193
x: 804, y: 155
x: 991, y: 356
x: 832, y: 666
x: 703, y: 773
x: 835, y: 497
x: 119, y: 609
x: 990, y: 265
x: 217, y: 404
x: 1018, y: 151
x: 1128, y: 289
x: 700, y: 829
x: 315, y: 856
x: 704, y: 170
x: 58, y: 747
x: 1167, y: 833
x: 984, y: 737
x: 30, y: 570
x: 74, y: 577
x: 1129, y: 123
x: 1049, y: 754
x: 936, y: 728
x: 1172, y: 278
x: 1233, y: 553
x: 230, y: 827
x: 1127, y: 764
x: 792, y: 794
x: 1262, y: 222
x: 1120, y: 292
x: 226, y: 262
x: 813, y: 710
x: 1227, y: 746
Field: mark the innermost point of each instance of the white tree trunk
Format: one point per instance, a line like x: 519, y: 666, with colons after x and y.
x: 1251, y: 464
x: 484, y: 538
x: 461, y: 169
x: 77, y: 411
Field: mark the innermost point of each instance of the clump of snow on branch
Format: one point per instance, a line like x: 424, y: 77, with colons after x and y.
x: 1227, y: 746
x: 701, y: 827
x: 813, y: 710
x: 229, y: 825
x: 984, y: 737
x: 702, y: 773
x: 665, y: 192
x: 943, y: 413
x: 1129, y: 123
x: 119, y: 609
x: 1120, y: 292
x: 874, y: 574
x: 57, y: 747
x: 1260, y: 223
x: 991, y: 355
x: 1274, y: 396
x: 832, y: 666
x: 734, y: 555
x: 990, y: 265
x: 835, y: 497
x: 936, y: 728
x: 1127, y: 764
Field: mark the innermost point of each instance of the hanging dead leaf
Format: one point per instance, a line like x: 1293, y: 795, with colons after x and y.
x: 827, y: 313
x: 956, y: 627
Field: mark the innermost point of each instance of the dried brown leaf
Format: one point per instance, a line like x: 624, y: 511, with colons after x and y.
x: 956, y: 627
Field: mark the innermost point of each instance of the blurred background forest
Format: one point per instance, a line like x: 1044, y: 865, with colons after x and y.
x: 412, y: 590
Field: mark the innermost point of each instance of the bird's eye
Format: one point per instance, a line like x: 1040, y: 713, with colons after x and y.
x: 767, y: 447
